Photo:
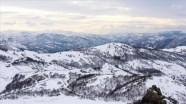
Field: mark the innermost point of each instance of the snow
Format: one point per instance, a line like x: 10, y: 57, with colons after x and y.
x: 178, y: 49
x: 67, y: 56
x: 49, y: 85
x: 56, y: 100
x: 165, y: 67
x: 6, y: 75
x: 100, y: 80
x: 115, y: 49
x: 110, y: 69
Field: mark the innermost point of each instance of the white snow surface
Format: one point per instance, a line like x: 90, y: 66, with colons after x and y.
x: 179, y: 49
x: 57, y: 100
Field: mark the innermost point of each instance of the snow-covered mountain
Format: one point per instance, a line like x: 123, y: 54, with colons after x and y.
x: 57, y: 41
x: 111, y: 72
x: 9, y: 44
x: 169, y: 39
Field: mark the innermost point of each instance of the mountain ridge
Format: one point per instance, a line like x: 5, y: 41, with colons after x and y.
x: 49, y: 41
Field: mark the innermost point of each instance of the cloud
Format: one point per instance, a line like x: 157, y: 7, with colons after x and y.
x: 94, y: 16
x: 47, y: 23
x: 176, y: 6
x: 78, y: 17
x: 29, y: 23
x: 7, y: 12
x: 8, y: 23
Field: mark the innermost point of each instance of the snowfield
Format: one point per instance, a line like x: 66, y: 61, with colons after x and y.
x: 179, y: 49
x: 57, y: 100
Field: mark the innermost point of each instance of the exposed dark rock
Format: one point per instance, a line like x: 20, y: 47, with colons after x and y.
x: 154, y: 96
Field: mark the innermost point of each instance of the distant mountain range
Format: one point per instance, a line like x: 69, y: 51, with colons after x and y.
x: 57, y: 41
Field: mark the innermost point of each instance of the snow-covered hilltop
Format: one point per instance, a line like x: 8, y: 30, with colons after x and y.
x: 111, y: 72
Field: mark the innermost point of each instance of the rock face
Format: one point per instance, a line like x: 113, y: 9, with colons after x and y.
x: 154, y: 96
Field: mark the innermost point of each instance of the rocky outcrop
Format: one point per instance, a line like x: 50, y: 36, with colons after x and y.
x: 154, y: 96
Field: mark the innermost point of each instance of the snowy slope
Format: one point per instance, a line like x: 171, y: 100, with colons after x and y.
x: 110, y: 72
x: 57, y: 100
x: 179, y: 49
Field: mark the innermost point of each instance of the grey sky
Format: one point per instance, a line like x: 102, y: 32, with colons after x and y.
x: 96, y: 16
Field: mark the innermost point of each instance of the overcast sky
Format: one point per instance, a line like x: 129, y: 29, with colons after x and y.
x: 96, y: 16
